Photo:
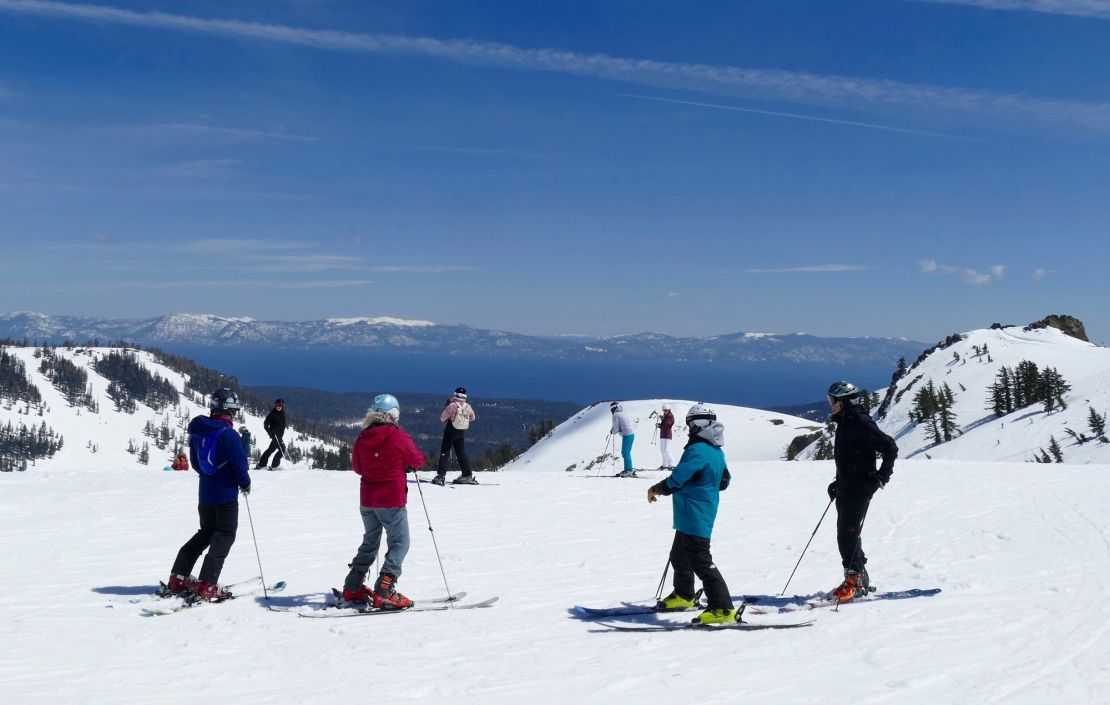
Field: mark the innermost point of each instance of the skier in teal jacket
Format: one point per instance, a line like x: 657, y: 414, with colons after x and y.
x: 696, y: 485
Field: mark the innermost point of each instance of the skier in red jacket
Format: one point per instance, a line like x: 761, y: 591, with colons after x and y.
x: 382, y: 455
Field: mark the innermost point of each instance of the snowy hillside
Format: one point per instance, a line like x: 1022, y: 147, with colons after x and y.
x: 580, y: 442
x: 1023, y: 619
x: 97, y: 435
x: 1018, y: 435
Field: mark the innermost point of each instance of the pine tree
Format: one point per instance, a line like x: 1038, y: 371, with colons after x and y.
x: 1097, y: 423
x: 144, y: 454
x: 1054, y: 448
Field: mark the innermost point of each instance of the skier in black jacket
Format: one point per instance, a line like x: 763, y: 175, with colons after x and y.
x: 857, y: 441
x: 275, y: 428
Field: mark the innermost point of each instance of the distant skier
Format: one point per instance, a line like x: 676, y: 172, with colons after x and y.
x: 696, y: 484
x: 382, y: 455
x: 245, y: 435
x: 218, y: 458
x: 666, y: 423
x: 622, y: 426
x: 456, y: 418
x: 180, y: 462
x: 857, y: 441
x: 275, y: 429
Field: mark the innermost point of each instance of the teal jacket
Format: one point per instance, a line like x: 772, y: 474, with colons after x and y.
x: 696, y: 484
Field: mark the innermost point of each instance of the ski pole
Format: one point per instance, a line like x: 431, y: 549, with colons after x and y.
x: 806, y: 548
x: 605, y: 453
x: 433, y: 533
x: 663, y: 580
x: 254, y: 538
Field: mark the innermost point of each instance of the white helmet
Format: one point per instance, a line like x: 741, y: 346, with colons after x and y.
x: 666, y: 407
x: 699, y: 416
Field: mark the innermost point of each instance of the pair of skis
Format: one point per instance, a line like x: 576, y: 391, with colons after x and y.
x: 189, y: 600
x: 753, y: 604
x: 339, y: 609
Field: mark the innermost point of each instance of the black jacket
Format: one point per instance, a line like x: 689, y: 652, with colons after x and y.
x: 275, y: 423
x: 858, y: 439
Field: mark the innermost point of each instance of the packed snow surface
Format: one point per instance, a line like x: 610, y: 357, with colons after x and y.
x: 1021, y: 552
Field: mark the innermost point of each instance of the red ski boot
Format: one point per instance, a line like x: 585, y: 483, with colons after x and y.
x: 178, y: 584
x: 386, y: 597
x: 211, y: 592
x: 362, y: 595
x: 856, y: 584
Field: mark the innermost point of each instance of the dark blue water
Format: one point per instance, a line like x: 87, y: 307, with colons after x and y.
x: 584, y: 381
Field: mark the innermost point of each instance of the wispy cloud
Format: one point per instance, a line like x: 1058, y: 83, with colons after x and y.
x: 215, y: 283
x: 227, y: 246
x: 200, y: 168
x: 795, y: 116
x: 421, y: 269
x: 966, y: 274
x: 767, y: 84
x: 810, y: 269
x: 476, y: 152
x: 236, y: 133
x: 1078, y: 8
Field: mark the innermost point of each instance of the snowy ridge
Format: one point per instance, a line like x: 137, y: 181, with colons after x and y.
x: 1018, y: 435
x: 110, y: 430
x: 576, y: 444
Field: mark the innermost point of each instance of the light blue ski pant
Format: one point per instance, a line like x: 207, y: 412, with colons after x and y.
x: 626, y: 451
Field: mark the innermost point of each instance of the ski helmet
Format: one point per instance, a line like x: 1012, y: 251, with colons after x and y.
x: 666, y: 407
x: 224, y: 399
x: 843, y: 390
x: 699, y: 416
x: 615, y: 407
x: 460, y: 392
x: 387, y: 404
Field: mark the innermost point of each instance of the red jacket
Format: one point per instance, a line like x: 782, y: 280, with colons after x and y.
x: 665, y: 424
x: 381, y: 456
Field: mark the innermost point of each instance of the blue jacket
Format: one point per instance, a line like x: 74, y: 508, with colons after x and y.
x: 223, y: 487
x: 696, y: 483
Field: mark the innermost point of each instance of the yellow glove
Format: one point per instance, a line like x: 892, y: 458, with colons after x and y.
x: 651, y: 495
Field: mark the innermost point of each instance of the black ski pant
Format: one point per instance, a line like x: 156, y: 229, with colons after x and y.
x: 453, y: 438
x: 851, y: 508
x: 275, y: 445
x: 218, y: 523
x: 690, y: 556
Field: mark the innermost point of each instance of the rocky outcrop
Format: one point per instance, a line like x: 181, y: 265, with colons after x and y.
x: 1068, y: 324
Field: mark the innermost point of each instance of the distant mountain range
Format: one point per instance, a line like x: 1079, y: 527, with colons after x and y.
x: 397, y: 335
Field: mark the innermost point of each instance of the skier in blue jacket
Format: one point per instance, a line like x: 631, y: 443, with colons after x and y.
x: 216, y: 451
x: 696, y: 484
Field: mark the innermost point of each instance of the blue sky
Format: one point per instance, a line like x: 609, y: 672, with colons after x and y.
x: 887, y: 167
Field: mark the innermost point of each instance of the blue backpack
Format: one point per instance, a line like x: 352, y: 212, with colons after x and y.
x: 206, y: 451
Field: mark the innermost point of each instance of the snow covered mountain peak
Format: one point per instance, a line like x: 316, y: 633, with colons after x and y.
x: 969, y: 366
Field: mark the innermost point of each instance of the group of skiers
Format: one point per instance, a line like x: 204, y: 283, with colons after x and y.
x: 623, y: 428
x: 702, y: 474
x: 384, y: 453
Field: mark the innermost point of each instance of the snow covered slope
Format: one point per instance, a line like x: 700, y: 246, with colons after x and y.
x: 1023, y: 619
x: 580, y: 442
x: 1016, y: 436
x: 99, y: 440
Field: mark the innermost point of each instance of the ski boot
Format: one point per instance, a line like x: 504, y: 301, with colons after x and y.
x: 627, y: 473
x: 676, y: 603
x: 439, y: 480
x: 212, y: 592
x: 386, y: 597
x: 716, y: 616
x: 361, y: 596
x: 177, y: 585
x: 856, y: 584
x: 464, y: 480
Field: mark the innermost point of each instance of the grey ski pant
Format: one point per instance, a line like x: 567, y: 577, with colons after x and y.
x: 395, y: 522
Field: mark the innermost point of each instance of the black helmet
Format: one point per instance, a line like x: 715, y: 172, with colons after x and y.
x: 224, y: 399
x: 460, y: 392
x: 843, y: 390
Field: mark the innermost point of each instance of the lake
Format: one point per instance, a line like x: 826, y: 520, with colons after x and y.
x: 584, y: 381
